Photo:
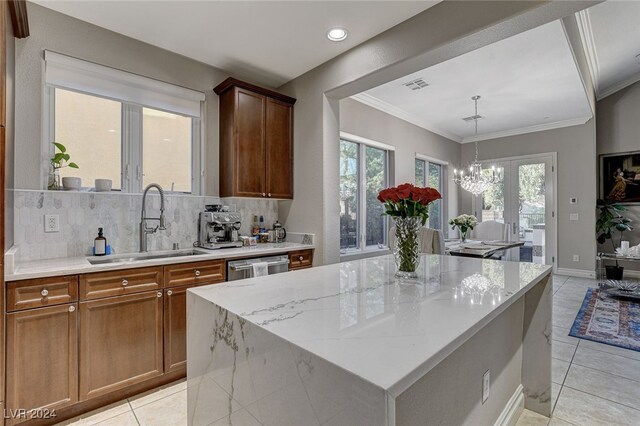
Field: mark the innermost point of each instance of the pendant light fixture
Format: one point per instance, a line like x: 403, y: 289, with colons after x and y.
x: 477, y: 180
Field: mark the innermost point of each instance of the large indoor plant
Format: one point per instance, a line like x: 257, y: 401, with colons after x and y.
x: 408, y: 205
x: 608, y: 221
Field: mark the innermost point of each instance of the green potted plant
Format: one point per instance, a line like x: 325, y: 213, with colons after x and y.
x: 58, y: 161
x: 608, y: 221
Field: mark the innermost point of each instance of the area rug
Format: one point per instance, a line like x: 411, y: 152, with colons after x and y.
x: 608, y: 320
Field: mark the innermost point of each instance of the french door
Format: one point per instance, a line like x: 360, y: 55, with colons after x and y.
x: 523, y: 198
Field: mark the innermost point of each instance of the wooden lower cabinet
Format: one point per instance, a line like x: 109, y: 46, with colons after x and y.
x: 175, y: 329
x: 120, y: 342
x: 42, y: 360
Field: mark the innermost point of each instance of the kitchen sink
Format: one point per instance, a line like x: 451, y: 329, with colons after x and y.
x: 142, y: 256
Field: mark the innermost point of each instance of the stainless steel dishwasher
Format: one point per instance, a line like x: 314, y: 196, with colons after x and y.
x: 241, y: 269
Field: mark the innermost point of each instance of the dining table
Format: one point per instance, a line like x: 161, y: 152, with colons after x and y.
x: 476, y: 248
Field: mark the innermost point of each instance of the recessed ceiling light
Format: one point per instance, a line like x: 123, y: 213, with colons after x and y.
x: 337, y: 34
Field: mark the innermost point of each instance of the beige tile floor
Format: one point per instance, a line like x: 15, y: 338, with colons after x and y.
x: 593, y: 384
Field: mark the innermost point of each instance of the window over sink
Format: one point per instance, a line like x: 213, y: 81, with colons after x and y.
x: 120, y: 126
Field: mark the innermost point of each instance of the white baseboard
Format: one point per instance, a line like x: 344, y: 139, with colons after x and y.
x: 582, y: 273
x: 511, y: 412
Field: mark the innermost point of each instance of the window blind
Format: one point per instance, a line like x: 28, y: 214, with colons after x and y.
x: 75, y: 74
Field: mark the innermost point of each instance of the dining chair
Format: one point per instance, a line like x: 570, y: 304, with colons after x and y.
x: 432, y: 240
x: 490, y: 230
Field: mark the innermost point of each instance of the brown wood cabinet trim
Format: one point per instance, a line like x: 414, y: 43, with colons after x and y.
x: 271, y: 169
x: 29, y: 294
x: 232, y: 82
x: 253, y: 164
x: 183, y: 274
x: 296, y: 263
x: 85, y: 369
x: 99, y: 285
x: 15, y: 360
x: 19, y: 18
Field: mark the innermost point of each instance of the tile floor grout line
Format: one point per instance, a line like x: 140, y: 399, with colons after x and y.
x: 606, y: 372
x: 133, y: 411
x: 609, y: 353
x: 604, y: 399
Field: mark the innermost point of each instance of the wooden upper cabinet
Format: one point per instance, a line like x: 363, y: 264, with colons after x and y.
x: 256, y: 141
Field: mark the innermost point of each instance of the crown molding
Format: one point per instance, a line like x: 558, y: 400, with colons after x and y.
x: 619, y: 86
x: 586, y: 35
x: 383, y: 106
x: 524, y: 130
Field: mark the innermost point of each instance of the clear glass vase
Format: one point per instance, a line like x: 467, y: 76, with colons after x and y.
x: 406, y: 247
x: 53, y: 180
x: 464, y: 234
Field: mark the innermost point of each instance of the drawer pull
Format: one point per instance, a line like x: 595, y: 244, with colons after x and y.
x: 124, y: 283
x: 197, y: 273
x: 72, y: 308
x: 263, y: 194
x: 169, y: 292
x: 44, y: 292
x: 301, y: 258
x: 159, y: 294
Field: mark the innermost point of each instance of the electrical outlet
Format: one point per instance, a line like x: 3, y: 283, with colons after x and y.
x: 51, y: 223
x: 486, y: 385
x: 576, y: 258
x: 573, y: 200
x: 574, y: 216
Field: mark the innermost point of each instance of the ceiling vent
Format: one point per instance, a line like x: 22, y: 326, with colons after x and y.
x: 473, y: 118
x: 416, y: 84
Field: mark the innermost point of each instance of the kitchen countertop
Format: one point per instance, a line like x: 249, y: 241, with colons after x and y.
x: 358, y: 316
x: 81, y: 265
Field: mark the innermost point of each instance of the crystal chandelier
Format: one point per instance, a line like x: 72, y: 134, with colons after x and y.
x: 477, y: 181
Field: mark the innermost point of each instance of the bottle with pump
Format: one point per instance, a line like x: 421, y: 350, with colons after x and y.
x: 262, y: 227
x: 100, y: 244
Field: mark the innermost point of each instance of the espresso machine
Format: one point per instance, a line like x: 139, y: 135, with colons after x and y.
x: 219, y: 230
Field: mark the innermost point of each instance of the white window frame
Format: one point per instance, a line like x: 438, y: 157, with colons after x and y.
x: 444, y: 168
x: 362, y: 143
x: 131, y: 168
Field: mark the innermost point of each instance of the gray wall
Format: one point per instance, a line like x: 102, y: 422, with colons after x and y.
x: 9, y: 146
x: 618, y: 130
x: 451, y: 393
x: 408, y: 139
x: 576, y: 177
x: 426, y: 39
x: 63, y: 34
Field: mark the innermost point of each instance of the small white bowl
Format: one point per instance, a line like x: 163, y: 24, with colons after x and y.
x: 70, y: 183
x: 103, y: 185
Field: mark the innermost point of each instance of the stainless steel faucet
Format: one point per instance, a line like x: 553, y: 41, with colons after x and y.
x: 144, y: 229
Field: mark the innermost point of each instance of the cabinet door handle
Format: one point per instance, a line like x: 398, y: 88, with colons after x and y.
x: 44, y: 292
x: 263, y: 194
x: 159, y: 294
x: 169, y: 292
x: 72, y: 308
x: 124, y: 283
x: 269, y: 194
x: 197, y: 273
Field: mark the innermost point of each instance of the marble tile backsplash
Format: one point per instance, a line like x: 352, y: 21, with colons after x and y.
x: 82, y: 213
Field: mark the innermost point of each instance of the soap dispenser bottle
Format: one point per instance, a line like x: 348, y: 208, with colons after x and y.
x: 100, y: 244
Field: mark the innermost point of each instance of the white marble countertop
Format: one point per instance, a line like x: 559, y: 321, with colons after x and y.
x: 357, y: 316
x: 81, y: 265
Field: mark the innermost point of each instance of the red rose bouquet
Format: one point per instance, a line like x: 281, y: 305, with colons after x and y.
x: 407, y: 200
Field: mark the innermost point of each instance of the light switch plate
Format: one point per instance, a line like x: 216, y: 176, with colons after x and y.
x: 51, y: 223
x: 576, y: 258
x: 486, y: 385
x: 574, y: 216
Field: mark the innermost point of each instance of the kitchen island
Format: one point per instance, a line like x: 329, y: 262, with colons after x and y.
x: 468, y: 342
